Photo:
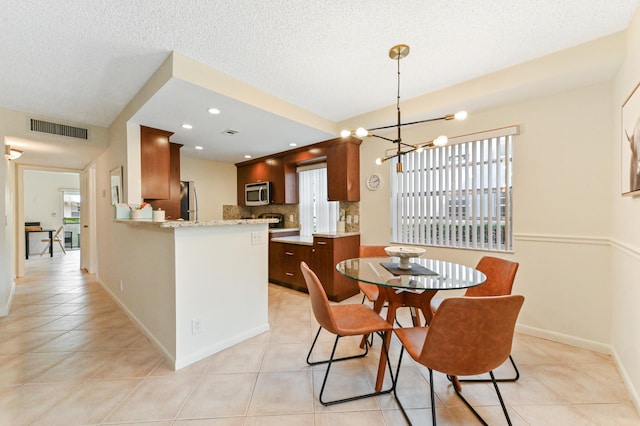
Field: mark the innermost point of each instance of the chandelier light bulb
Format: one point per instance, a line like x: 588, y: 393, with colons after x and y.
x: 379, y: 161
x: 460, y: 115
x: 441, y: 140
x: 361, y: 132
x: 420, y: 149
x: 345, y: 133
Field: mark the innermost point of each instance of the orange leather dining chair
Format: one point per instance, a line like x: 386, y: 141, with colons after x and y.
x: 501, y: 274
x: 342, y: 320
x: 371, y: 291
x: 468, y: 336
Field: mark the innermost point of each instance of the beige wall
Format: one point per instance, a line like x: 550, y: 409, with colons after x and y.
x: 624, y: 282
x: 215, y: 185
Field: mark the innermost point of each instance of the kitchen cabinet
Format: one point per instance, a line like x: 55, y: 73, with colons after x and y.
x: 343, y: 170
x: 327, y: 252
x: 284, y: 264
x: 268, y: 170
x: 155, y: 163
x: 171, y: 205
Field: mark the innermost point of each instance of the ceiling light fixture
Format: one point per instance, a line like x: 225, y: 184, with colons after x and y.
x: 187, y: 126
x: 247, y: 156
x: 396, y: 53
x: 293, y: 144
x: 198, y: 147
x: 11, y: 153
x: 214, y: 111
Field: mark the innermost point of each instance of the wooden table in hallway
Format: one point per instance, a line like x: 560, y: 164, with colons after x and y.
x: 26, y: 240
x: 413, y: 287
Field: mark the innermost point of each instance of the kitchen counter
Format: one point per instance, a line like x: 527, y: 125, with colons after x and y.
x: 307, y: 240
x: 193, y: 224
x: 281, y: 230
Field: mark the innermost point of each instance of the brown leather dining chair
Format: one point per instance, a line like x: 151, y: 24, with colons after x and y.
x: 501, y: 274
x: 342, y: 320
x: 370, y: 291
x: 468, y: 336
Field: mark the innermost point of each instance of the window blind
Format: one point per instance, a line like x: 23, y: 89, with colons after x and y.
x: 458, y: 195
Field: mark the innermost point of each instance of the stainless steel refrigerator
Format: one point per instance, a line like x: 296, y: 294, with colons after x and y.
x: 188, y: 200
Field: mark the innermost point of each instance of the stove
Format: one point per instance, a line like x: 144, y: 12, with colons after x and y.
x: 279, y: 216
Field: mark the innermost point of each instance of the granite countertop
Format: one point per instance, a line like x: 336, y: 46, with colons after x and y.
x: 194, y: 224
x: 307, y: 240
x: 278, y: 230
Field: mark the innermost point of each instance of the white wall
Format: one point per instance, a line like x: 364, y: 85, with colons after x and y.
x: 215, y: 185
x: 43, y: 202
x: 624, y: 282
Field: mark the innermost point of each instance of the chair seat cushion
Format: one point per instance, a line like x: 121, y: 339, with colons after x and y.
x: 371, y: 291
x: 412, y: 339
x: 357, y: 319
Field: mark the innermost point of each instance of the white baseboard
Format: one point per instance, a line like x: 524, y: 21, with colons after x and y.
x: 219, y: 346
x: 4, y: 310
x: 192, y: 358
x: 627, y: 381
x: 164, y: 351
x: 566, y: 339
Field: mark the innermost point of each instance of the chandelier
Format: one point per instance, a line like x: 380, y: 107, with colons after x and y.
x: 396, y: 53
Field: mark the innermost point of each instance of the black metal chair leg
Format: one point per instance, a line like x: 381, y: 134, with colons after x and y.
x: 331, y: 361
x: 395, y: 383
x: 366, y: 351
x: 504, y: 408
x: 510, y: 379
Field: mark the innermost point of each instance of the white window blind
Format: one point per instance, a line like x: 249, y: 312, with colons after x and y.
x: 317, y: 215
x: 458, y: 195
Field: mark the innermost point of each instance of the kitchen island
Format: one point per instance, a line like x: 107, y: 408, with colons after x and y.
x: 194, y: 288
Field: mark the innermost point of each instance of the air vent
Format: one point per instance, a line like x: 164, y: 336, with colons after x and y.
x: 58, y: 129
x: 230, y: 132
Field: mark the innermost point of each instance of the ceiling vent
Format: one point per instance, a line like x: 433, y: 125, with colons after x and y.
x: 230, y: 132
x: 58, y: 129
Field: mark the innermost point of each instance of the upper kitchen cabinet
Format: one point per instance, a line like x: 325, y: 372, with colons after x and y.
x: 171, y: 205
x: 343, y: 170
x: 263, y: 170
x: 155, y: 163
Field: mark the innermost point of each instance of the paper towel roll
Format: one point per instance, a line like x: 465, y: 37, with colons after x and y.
x: 158, y: 215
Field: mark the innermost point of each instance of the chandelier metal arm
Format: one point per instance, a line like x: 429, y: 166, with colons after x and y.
x: 393, y: 126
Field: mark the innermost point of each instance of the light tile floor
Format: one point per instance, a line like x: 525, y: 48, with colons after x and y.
x: 70, y: 356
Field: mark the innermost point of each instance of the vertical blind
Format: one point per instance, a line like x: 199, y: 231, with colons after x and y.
x: 458, y: 195
x: 316, y: 213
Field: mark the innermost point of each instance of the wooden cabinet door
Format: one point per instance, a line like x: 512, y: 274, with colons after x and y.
x: 171, y: 206
x: 155, y: 163
x: 343, y: 171
x: 327, y: 253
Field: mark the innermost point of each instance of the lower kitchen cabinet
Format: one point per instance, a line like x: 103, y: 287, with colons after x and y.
x: 284, y: 264
x: 322, y: 257
x: 327, y: 252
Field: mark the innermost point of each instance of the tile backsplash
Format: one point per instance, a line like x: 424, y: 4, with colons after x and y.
x: 290, y: 211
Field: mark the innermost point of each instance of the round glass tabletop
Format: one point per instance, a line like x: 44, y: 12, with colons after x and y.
x: 425, y: 274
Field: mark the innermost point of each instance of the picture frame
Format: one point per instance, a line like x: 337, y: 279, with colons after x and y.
x: 630, y: 144
x: 115, y: 183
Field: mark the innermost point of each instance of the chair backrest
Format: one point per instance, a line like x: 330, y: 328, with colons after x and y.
x: 471, y: 335
x: 500, y: 276
x: 319, y: 301
x: 373, y: 251
x: 57, y: 234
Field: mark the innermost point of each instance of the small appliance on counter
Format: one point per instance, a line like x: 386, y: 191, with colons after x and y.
x: 188, y: 200
x: 279, y: 216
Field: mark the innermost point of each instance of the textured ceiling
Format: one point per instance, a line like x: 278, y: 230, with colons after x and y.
x: 83, y: 60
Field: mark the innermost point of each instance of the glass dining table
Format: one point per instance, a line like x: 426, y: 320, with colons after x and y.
x: 413, y: 287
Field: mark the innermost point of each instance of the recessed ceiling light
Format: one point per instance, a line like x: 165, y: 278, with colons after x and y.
x: 187, y: 126
x: 293, y: 144
x: 198, y: 147
x: 214, y: 111
x: 247, y: 156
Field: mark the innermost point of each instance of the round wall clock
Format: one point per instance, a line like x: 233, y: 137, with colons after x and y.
x: 373, y: 182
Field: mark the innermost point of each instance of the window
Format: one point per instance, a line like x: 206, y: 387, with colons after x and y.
x: 316, y: 213
x: 458, y: 195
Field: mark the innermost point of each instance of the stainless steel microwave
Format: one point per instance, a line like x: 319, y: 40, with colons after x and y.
x: 257, y: 194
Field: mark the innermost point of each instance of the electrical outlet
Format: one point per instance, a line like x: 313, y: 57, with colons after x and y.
x: 196, y: 326
x: 355, y: 218
x: 348, y: 218
x: 256, y: 238
x: 121, y: 286
x: 292, y: 218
